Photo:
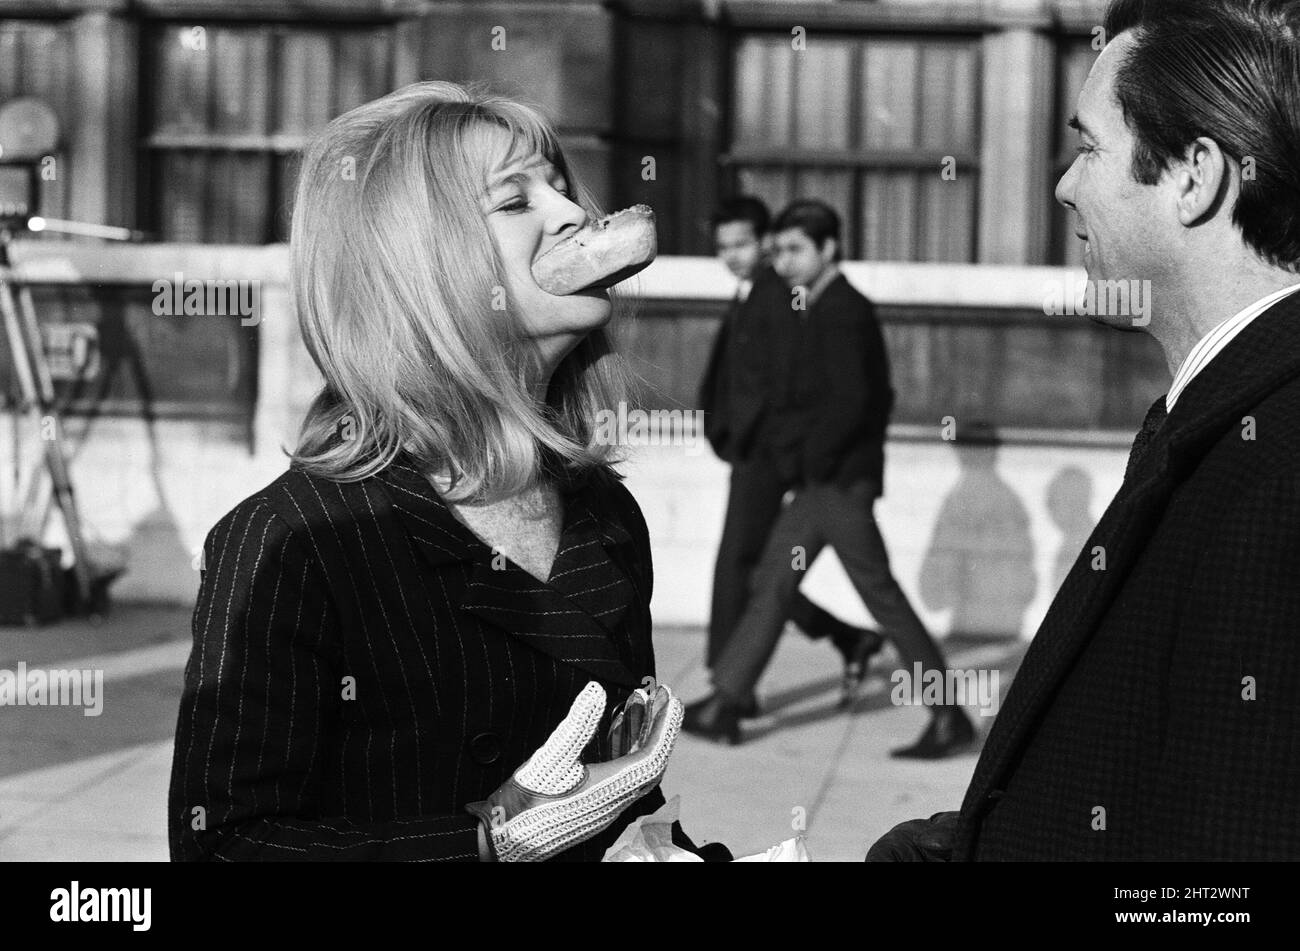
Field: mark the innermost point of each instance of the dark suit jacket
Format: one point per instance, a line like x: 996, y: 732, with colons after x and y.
x: 852, y: 396
x: 361, y: 670
x: 734, y: 387
x: 712, y: 398
x: 845, y: 393
x: 1130, y: 698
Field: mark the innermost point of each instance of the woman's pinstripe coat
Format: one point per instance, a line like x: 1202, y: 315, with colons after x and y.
x: 364, y: 666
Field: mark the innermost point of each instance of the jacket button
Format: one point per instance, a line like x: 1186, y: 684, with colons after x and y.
x: 485, y: 749
x: 993, y: 796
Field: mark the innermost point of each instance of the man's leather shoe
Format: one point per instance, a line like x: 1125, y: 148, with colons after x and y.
x: 856, y: 661
x: 713, y: 718
x: 950, y: 732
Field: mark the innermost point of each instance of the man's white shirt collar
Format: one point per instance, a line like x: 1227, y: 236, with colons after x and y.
x: 823, y: 281
x: 1209, y: 346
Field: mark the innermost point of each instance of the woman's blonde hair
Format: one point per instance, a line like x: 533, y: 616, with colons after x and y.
x: 398, y: 286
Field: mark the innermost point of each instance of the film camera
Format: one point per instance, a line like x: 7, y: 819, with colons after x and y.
x: 29, y: 132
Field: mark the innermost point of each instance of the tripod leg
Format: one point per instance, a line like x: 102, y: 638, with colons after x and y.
x: 29, y: 400
x: 30, y: 488
x: 17, y: 342
x: 40, y: 388
x: 35, y: 500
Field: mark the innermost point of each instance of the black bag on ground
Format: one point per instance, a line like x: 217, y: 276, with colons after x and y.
x: 32, y: 584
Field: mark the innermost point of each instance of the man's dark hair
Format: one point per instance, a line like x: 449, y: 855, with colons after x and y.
x: 816, y: 219
x: 1228, y: 70
x: 743, y: 208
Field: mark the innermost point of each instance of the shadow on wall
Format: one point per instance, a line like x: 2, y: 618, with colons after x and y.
x: 980, y: 561
x: 979, y: 564
x: 1069, y: 503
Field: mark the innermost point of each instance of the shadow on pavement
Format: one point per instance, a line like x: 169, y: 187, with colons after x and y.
x: 956, y: 648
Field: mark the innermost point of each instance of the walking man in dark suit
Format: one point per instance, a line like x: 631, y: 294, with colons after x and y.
x: 1156, y: 714
x: 731, y: 397
x: 820, y: 433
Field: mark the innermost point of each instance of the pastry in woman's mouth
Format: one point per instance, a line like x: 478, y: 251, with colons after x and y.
x: 599, y: 254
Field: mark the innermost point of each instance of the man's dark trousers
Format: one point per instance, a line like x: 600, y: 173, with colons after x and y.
x: 753, y: 506
x: 819, y: 515
x: 732, y: 395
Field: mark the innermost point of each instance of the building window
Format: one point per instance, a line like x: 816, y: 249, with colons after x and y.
x: 868, y: 125
x: 227, y: 109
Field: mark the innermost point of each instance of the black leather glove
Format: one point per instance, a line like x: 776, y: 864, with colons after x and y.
x: 917, y: 840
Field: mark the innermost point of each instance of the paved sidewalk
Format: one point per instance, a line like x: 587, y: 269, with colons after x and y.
x: 94, y: 788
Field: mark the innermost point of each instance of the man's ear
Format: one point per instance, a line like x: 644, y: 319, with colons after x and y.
x: 829, y: 249
x: 1202, y: 178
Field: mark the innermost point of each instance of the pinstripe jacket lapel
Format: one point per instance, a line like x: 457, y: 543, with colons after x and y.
x: 574, y: 616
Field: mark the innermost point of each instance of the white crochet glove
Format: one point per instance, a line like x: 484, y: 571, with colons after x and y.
x: 554, y: 801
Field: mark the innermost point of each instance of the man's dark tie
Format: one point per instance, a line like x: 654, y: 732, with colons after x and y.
x: 1155, y: 418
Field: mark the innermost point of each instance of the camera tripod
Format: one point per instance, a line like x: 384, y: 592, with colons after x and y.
x: 36, y: 390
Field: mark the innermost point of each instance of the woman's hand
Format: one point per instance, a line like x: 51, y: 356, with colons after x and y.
x: 554, y: 801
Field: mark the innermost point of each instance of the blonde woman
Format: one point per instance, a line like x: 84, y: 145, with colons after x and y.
x: 403, y: 645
